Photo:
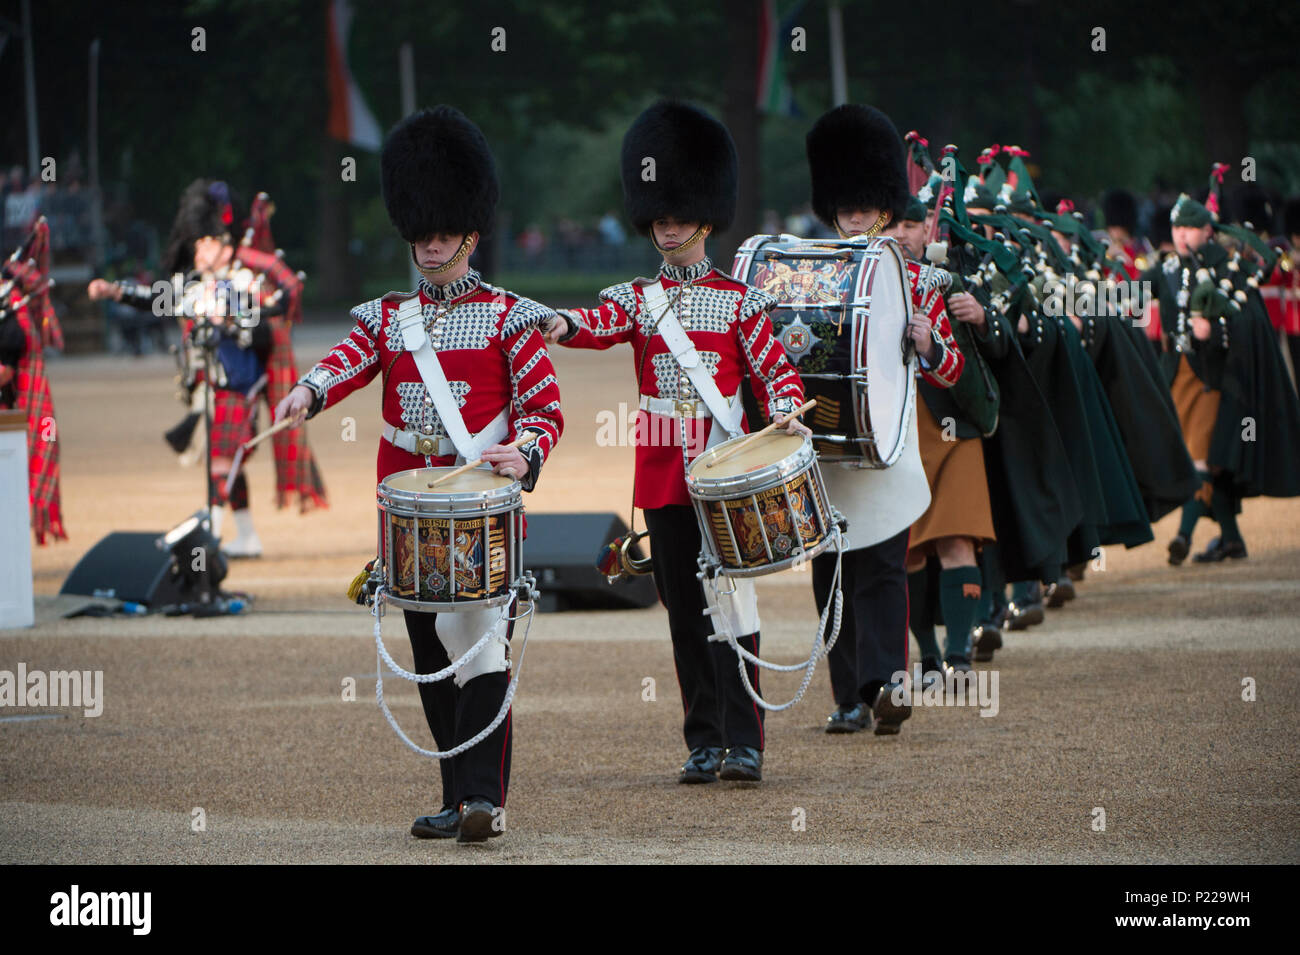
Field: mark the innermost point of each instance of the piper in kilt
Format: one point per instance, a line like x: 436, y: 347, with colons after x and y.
x: 253, y: 364
x: 27, y: 325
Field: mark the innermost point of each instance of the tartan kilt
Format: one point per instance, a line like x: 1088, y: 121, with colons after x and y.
x: 234, y: 418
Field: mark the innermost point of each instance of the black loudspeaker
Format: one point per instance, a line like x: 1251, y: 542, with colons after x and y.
x: 128, y: 566
x: 561, y: 551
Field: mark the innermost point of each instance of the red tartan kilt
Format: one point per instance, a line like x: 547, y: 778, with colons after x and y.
x: 233, y: 420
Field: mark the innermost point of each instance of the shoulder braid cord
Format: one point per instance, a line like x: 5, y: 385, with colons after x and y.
x: 819, y: 648
x: 395, y: 668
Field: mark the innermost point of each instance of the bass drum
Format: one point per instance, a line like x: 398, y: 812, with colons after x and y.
x: 841, y: 315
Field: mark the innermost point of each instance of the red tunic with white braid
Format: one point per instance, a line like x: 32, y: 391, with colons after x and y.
x: 729, y: 324
x: 946, y: 368
x: 491, y: 353
x: 1281, y: 295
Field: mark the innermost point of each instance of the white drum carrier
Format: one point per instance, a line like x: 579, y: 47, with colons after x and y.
x: 455, y: 550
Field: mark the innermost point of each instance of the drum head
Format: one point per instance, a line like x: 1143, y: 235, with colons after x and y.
x: 769, y: 449
x: 479, y: 479
x: 888, y: 378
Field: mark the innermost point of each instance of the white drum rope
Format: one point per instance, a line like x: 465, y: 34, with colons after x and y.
x: 456, y: 665
x: 819, y: 648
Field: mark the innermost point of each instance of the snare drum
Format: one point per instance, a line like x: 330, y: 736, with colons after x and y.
x: 764, y: 508
x: 453, y: 547
x: 841, y: 315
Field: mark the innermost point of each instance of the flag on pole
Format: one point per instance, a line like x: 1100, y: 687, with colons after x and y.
x: 350, y: 119
x: 775, y: 94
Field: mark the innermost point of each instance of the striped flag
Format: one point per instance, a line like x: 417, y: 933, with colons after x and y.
x: 350, y: 119
x: 775, y: 94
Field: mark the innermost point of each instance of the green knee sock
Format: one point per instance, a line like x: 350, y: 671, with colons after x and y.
x: 1193, y: 511
x: 959, y: 596
x: 1223, y: 504
x: 920, y: 614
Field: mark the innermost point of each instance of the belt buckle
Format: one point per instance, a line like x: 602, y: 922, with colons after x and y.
x: 687, y: 407
x: 425, y: 445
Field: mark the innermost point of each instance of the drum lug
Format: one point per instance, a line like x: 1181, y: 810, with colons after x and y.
x: 709, y: 567
x: 526, y: 587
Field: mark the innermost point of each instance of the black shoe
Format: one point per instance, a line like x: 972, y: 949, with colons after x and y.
x: 932, y: 672
x: 477, y: 821
x: 1219, y: 550
x: 444, y: 825
x: 959, y: 664
x: 1022, y: 618
x: 1178, y: 548
x: 987, y: 639
x: 702, y: 765
x: 849, y: 719
x: 1058, y: 593
x: 1076, y: 571
x: 888, y: 712
x: 743, y: 763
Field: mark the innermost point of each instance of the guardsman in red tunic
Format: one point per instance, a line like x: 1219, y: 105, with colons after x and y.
x: 859, y: 187
x: 440, y: 188
x: 1281, y: 293
x: 679, y: 184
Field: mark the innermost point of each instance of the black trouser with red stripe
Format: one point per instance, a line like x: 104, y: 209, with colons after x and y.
x: 457, y: 713
x: 872, y: 645
x: 718, y: 710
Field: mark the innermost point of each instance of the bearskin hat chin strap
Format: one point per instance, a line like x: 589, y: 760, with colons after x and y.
x: 882, y: 220
x: 696, y: 236
x: 447, y: 266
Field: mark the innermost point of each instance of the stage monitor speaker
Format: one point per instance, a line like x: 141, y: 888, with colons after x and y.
x: 127, y: 566
x: 561, y: 551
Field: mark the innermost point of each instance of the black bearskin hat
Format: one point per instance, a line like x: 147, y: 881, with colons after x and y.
x: 1120, y: 208
x: 856, y: 158
x: 206, y: 209
x: 438, y: 175
x: 1251, y: 204
x: 1291, y: 217
x: 695, y: 171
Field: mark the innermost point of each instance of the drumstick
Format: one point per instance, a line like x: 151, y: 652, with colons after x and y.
x: 735, y: 449
x: 471, y: 465
x: 286, y: 422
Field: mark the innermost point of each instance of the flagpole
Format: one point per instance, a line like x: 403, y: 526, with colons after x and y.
x: 406, y: 67
x: 839, y: 76
x: 29, y: 83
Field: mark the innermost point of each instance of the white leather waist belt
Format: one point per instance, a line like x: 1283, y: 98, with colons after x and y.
x: 675, y: 408
x: 438, y: 446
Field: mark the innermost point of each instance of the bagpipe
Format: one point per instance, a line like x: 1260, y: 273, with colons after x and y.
x: 27, y: 271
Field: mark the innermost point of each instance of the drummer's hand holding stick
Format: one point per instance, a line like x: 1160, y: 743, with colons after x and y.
x: 788, y: 423
x: 504, y: 458
x: 295, y: 404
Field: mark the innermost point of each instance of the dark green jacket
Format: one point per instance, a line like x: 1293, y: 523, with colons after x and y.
x: 1033, y: 497
x: 1144, y: 412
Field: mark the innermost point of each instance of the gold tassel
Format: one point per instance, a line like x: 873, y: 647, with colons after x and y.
x: 359, y: 581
